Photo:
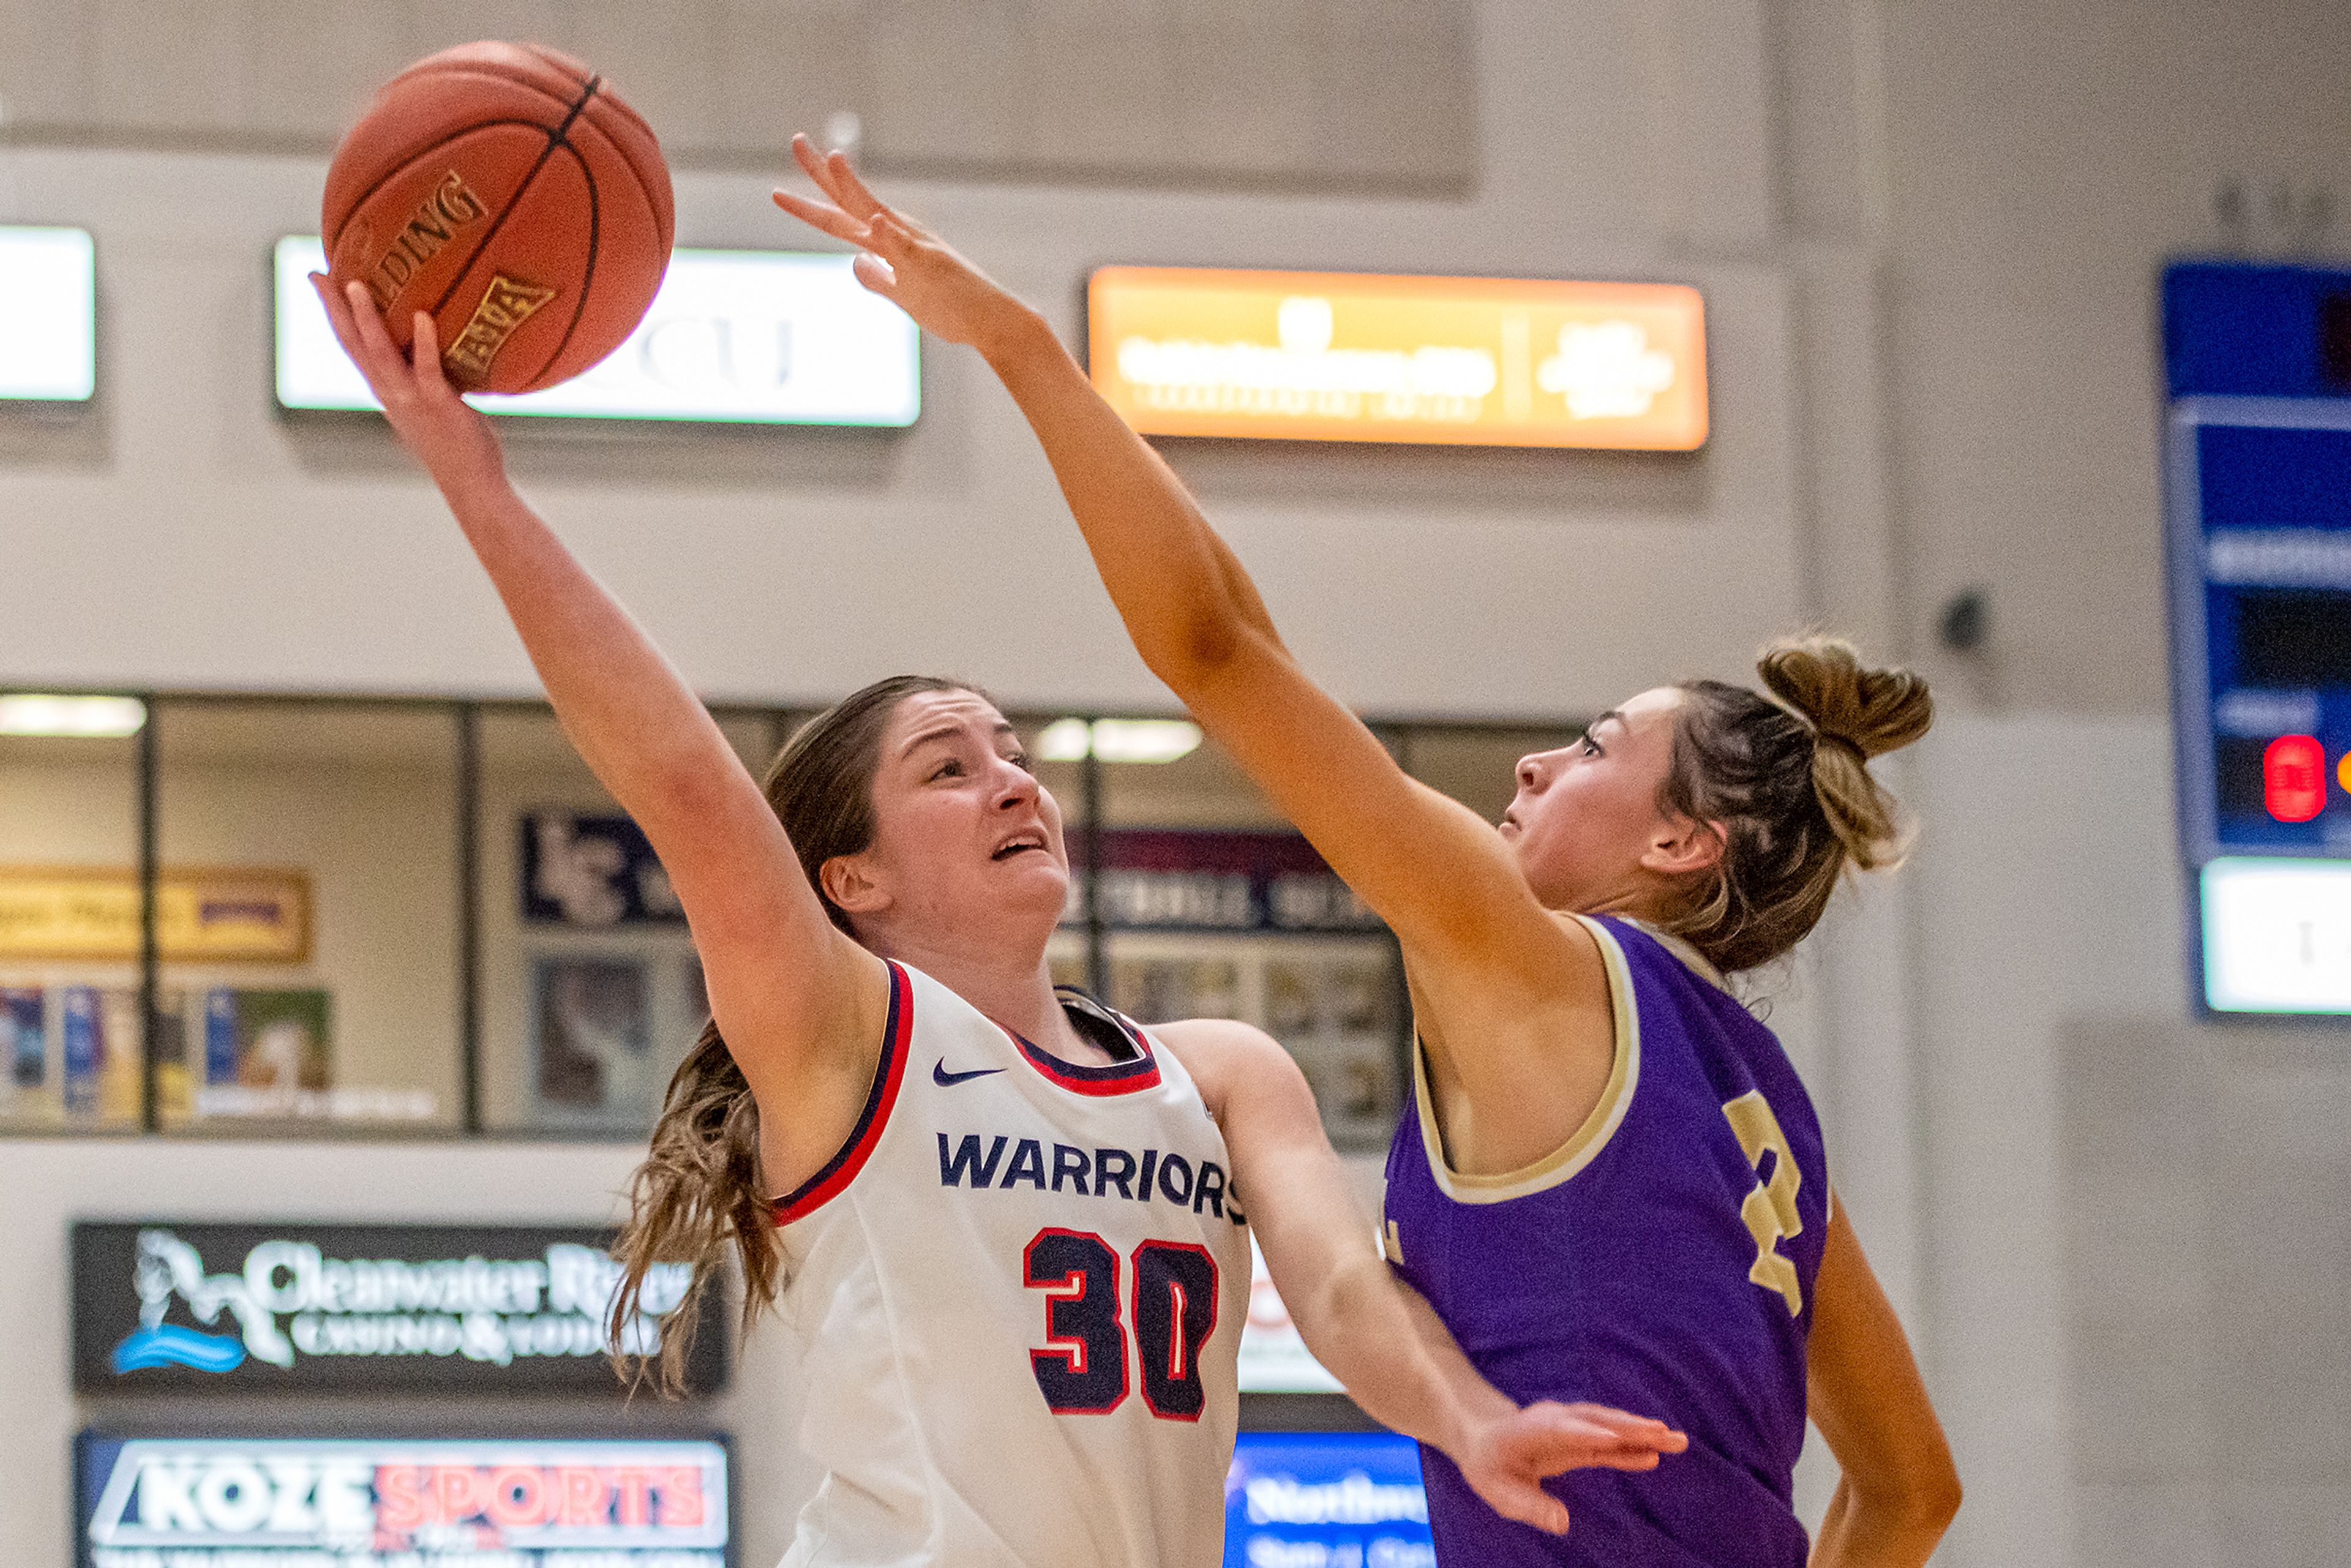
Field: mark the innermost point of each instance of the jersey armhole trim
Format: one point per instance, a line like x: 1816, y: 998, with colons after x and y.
x: 1585, y: 1145
x: 888, y: 1074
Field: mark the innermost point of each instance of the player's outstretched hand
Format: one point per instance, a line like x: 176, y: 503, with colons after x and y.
x: 1506, y: 1462
x: 447, y: 434
x: 902, y: 261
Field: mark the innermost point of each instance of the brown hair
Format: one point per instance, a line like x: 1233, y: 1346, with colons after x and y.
x: 698, y: 1190
x: 1786, y: 778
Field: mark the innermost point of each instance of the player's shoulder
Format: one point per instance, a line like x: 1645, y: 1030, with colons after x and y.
x: 1226, y: 1057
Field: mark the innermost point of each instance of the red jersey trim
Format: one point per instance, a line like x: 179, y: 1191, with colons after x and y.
x: 1114, y: 1078
x: 888, y: 1074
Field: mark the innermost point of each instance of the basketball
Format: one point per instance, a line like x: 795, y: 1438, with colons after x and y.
x: 508, y: 191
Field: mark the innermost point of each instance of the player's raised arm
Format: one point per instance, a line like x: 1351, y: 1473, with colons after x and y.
x: 791, y: 993
x: 1436, y: 873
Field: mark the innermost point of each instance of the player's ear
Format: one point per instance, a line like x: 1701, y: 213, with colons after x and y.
x: 852, y: 885
x: 1680, y: 845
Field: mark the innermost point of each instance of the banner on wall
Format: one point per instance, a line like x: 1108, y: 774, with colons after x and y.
x: 592, y: 871
x: 399, y: 1502
x: 363, y: 1309
x: 1338, y: 356
x: 248, y: 914
x: 1193, y: 880
x: 734, y: 337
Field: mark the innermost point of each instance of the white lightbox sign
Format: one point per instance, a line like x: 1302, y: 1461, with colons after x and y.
x: 735, y: 337
x: 49, y: 315
x: 2277, y: 935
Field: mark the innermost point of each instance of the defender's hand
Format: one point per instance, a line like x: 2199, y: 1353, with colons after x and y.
x: 1505, y: 1460
x: 448, y: 435
x: 902, y: 261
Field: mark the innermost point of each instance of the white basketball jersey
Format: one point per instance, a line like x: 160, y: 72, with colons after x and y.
x: 1017, y: 1294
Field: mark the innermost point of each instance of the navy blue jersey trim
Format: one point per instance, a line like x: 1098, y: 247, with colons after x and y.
x: 888, y: 1073
x: 1115, y: 1078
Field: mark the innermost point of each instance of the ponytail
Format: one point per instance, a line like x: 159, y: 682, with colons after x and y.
x: 1786, y: 778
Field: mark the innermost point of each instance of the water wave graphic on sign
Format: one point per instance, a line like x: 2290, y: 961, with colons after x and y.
x: 170, y: 1345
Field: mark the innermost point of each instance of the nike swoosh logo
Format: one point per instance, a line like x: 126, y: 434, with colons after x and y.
x: 945, y: 1079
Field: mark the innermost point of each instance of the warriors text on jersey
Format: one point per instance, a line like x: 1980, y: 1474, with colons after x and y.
x: 1017, y: 1295
x: 1662, y: 1262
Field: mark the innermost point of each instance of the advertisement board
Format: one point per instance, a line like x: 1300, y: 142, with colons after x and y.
x: 1326, y: 1499
x: 735, y: 337
x: 1338, y: 356
x: 246, y: 1310
x: 49, y: 315
x: 215, y: 915
x: 399, y: 1502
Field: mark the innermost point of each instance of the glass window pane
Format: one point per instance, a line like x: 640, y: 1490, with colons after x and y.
x: 1216, y: 907
x: 1478, y: 767
x: 308, y: 900
x: 69, y: 1038
x: 590, y: 990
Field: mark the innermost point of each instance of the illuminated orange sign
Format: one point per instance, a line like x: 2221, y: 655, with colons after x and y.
x: 1340, y: 356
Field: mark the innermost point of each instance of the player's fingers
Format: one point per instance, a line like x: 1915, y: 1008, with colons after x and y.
x: 810, y: 161
x: 821, y: 216
x: 1527, y: 1503
x: 378, y: 356
x: 1625, y: 1425
x: 858, y: 199
x: 1622, y: 1459
x: 876, y: 274
x: 424, y: 354
x: 889, y: 236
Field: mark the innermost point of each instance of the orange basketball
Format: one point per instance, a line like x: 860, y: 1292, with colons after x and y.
x: 505, y: 189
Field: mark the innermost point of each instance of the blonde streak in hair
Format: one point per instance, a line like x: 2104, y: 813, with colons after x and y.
x: 695, y: 1193
x: 1862, y: 813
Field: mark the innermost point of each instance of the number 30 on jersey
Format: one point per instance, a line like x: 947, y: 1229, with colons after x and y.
x: 1082, y: 1367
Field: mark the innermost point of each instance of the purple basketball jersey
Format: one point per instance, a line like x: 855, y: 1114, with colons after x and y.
x: 1662, y: 1262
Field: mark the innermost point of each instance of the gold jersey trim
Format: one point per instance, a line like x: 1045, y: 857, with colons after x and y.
x: 1585, y: 1145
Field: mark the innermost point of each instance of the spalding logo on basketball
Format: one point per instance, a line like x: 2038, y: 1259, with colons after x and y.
x: 505, y: 189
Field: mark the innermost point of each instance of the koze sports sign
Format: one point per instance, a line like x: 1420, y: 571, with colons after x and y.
x: 400, y: 1503
x: 361, y: 1309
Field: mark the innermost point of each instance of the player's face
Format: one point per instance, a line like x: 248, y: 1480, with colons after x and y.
x: 963, y: 831
x: 1587, y: 816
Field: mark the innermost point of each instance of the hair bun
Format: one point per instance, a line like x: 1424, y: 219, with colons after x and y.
x: 1873, y: 711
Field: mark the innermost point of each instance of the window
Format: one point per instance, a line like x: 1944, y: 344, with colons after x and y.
x: 304, y: 916
x: 309, y: 890
x: 69, y: 927
x: 590, y: 993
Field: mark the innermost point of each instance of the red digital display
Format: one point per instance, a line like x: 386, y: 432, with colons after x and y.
x: 2294, y: 778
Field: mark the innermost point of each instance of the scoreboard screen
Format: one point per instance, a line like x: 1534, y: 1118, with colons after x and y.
x: 2257, y: 362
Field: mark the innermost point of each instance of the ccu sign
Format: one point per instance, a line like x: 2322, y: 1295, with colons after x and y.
x: 374, y: 1503
x: 735, y: 337
x: 361, y: 1309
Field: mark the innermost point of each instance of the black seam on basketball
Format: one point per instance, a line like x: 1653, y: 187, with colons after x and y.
x: 405, y: 159
x: 554, y: 140
x: 587, y: 273
x: 409, y: 160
